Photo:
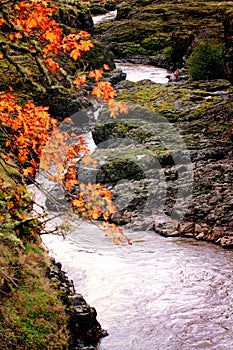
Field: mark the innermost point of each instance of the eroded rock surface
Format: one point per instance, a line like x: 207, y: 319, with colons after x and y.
x: 169, y: 161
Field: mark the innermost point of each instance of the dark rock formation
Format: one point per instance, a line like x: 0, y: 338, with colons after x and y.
x: 101, y: 7
x: 83, y: 325
x: 170, y: 165
x: 73, y: 15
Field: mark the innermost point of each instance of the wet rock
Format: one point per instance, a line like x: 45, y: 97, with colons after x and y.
x: 73, y: 15
x: 187, y: 229
x: 226, y: 241
x: 116, y: 76
x: 83, y: 325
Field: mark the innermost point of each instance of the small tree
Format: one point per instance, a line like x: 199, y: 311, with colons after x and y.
x: 206, y: 62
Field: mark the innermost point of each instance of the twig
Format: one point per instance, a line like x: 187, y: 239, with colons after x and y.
x: 7, y: 277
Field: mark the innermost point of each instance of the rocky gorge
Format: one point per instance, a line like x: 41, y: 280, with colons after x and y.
x: 174, y: 145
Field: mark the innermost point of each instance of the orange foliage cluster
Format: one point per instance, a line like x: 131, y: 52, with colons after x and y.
x: 30, y: 128
x: 33, y: 135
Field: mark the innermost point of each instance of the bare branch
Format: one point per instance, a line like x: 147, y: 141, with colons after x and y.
x: 8, y: 278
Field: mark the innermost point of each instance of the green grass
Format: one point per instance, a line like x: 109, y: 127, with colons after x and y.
x: 32, y: 315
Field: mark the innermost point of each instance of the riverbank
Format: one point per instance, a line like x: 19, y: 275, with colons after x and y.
x: 39, y: 308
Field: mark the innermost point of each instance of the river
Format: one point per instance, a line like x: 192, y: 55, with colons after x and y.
x: 105, y: 17
x: 137, y: 72
x: 158, y: 294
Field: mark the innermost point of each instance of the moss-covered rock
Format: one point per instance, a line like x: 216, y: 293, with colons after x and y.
x: 73, y: 14
x: 186, y: 127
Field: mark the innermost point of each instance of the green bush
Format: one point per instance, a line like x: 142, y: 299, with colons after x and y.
x: 206, y: 62
x: 154, y: 44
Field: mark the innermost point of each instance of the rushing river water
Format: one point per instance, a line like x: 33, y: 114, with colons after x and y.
x: 158, y: 294
x: 105, y: 17
x: 165, y: 294
x: 137, y: 72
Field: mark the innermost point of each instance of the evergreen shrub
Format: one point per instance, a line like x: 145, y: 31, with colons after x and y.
x: 206, y: 62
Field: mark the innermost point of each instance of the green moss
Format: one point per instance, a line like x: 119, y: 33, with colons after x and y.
x: 206, y: 61
x: 31, y: 313
x: 193, y: 107
x: 122, y: 130
x: 155, y: 44
x: 32, y: 316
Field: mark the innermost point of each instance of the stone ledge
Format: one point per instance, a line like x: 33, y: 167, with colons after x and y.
x: 84, y: 328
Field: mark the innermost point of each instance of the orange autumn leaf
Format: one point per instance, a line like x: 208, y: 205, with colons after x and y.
x: 79, y: 203
x: 75, y: 54
x: 96, y: 74
x: 52, y: 65
x: 94, y: 215
x: 116, y: 240
x: 86, y: 45
x: 11, y: 37
x: 106, y: 66
x: 28, y: 171
x: 18, y: 35
x: 81, y: 80
x: 2, y: 21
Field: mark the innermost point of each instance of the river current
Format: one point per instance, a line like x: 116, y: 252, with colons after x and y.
x: 158, y: 294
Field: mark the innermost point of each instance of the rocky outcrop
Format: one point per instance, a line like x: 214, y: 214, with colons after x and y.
x: 169, y: 161
x: 84, y: 328
x: 73, y: 14
x: 101, y: 7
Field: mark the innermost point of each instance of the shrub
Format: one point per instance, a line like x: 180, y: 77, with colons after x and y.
x: 206, y: 62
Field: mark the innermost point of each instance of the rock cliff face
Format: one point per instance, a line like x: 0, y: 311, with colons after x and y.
x: 169, y: 161
x: 73, y: 15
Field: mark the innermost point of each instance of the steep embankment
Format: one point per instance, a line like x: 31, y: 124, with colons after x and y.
x: 31, y: 313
